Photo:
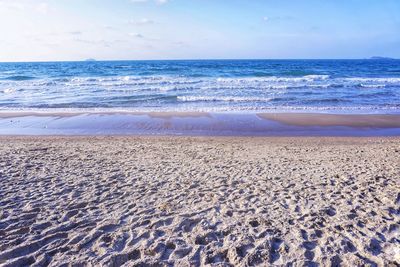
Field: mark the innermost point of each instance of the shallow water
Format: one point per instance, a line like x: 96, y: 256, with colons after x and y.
x: 200, y: 124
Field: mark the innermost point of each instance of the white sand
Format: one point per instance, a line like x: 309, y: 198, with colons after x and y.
x: 196, y: 201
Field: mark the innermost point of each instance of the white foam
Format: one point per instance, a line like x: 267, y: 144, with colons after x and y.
x: 317, y: 77
x: 222, y: 98
x: 275, y: 79
x: 8, y: 90
x: 372, y: 85
x: 372, y: 80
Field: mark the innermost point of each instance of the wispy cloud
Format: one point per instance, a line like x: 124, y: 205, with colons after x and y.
x: 137, y: 35
x: 102, y: 42
x: 75, y: 32
x: 159, y: 2
x: 41, y: 7
x: 280, y: 18
x: 143, y: 37
x: 141, y: 22
x: 180, y: 44
x: 12, y: 4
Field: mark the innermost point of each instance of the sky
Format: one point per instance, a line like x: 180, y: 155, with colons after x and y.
x: 52, y: 30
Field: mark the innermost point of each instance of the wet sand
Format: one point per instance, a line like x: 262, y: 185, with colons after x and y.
x: 199, y: 124
x: 348, y: 120
x: 194, y: 201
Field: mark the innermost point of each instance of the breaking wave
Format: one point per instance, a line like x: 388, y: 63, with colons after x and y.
x: 198, y: 85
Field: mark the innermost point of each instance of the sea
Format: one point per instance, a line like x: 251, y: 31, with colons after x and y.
x: 327, y: 86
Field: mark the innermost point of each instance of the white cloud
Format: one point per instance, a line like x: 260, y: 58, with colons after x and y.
x: 159, y: 2
x: 42, y: 8
x: 75, y: 33
x: 101, y: 42
x: 144, y: 21
x: 279, y: 18
x: 25, y: 5
x: 137, y: 35
x: 11, y: 4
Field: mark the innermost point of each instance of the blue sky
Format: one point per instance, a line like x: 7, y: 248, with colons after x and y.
x: 45, y: 30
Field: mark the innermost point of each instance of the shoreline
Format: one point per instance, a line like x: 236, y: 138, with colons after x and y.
x: 8, y: 113
x: 198, y: 124
x: 347, y: 120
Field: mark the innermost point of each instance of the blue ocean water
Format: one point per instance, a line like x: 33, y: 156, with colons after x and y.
x: 356, y: 86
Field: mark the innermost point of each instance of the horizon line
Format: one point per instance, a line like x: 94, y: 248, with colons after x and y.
x: 91, y: 60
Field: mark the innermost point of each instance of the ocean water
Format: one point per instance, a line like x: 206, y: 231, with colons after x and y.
x: 345, y: 86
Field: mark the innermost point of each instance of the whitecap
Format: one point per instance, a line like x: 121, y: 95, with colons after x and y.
x: 8, y: 90
x: 222, y: 98
x: 372, y: 80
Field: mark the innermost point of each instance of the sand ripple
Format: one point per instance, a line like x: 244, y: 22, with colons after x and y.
x: 199, y: 201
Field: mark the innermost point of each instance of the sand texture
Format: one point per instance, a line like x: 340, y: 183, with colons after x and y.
x: 182, y: 201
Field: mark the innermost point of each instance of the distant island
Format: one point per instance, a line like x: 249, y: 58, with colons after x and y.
x: 382, y: 58
x: 90, y: 59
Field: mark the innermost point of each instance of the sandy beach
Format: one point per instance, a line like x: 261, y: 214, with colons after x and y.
x: 195, y: 201
x: 167, y: 133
